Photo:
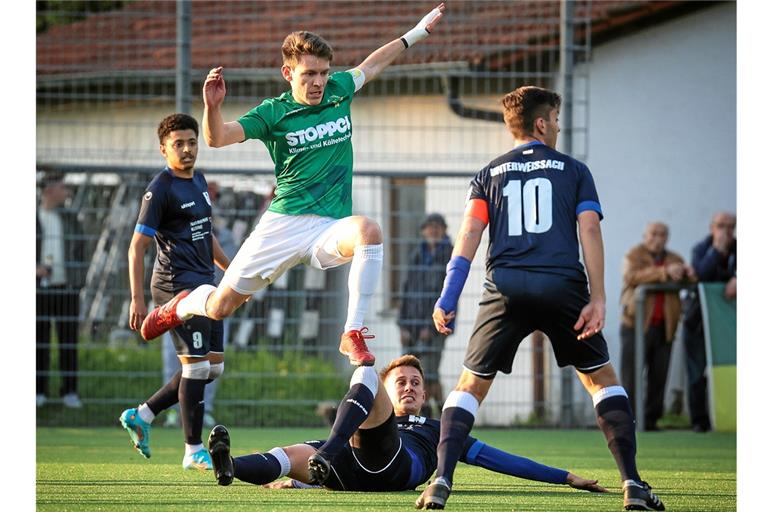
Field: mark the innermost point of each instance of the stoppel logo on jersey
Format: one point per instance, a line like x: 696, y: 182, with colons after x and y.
x: 319, y: 133
x: 148, y: 196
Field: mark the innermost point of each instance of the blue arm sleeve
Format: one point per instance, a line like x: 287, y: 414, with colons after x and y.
x: 488, y: 457
x: 456, y: 273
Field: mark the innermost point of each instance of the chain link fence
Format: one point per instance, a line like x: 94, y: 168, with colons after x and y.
x: 421, y: 130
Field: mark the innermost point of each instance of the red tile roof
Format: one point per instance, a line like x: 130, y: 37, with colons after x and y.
x: 237, y: 34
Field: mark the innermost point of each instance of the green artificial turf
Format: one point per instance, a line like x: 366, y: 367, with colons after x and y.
x: 88, y: 469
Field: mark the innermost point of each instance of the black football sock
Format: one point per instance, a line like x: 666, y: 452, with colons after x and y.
x: 455, y: 424
x: 615, y: 419
x: 166, y: 396
x: 192, y: 407
x: 262, y: 468
x: 352, y: 412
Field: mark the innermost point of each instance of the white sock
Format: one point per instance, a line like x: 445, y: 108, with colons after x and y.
x: 146, y: 414
x: 363, y: 277
x: 194, y: 303
x: 189, y: 449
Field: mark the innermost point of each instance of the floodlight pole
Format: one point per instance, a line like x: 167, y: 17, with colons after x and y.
x: 564, y: 141
x: 183, y: 22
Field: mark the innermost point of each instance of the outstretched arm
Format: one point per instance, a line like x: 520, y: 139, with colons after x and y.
x: 488, y: 457
x: 383, y: 57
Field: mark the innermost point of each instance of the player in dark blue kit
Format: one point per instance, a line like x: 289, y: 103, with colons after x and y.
x: 176, y: 213
x: 533, y: 199
x: 378, y: 443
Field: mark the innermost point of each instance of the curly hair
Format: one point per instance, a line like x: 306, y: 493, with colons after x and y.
x: 526, y: 104
x: 301, y: 43
x: 176, y: 122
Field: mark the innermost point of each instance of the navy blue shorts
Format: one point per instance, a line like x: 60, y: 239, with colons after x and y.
x: 517, y: 302
x: 381, y: 463
x: 198, y: 335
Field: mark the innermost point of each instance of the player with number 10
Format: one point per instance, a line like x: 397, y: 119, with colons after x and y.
x: 534, y: 199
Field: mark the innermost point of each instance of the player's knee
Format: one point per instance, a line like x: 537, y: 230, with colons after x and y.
x: 474, y: 385
x: 196, y: 371
x: 216, y: 370
x: 370, y: 232
x: 366, y: 376
x: 219, y: 309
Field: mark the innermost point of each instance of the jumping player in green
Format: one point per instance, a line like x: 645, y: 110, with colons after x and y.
x: 308, y: 133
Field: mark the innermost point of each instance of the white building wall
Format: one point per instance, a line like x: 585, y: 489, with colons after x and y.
x: 662, y: 139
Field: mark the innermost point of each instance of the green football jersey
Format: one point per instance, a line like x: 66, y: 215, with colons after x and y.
x: 311, y: 146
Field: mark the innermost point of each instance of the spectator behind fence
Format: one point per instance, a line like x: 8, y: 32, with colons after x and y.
x: 170, y: 361
x: 421, y: 288
x: 60, y: 275
x: 713, y: 260
x: 647, y: 263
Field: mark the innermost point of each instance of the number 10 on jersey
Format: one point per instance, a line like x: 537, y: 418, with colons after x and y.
x: 528, y: 206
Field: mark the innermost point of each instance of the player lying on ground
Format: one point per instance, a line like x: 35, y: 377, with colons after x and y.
x: 308, y: 133
x: 378, y: 443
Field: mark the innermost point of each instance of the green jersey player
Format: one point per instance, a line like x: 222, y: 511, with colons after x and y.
x: 308, y: 133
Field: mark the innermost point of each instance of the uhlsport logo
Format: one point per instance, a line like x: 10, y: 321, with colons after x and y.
x: 319, y: 132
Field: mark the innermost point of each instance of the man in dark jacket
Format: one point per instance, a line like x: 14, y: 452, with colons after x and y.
x: 420, y: 290
x: 713, y: 260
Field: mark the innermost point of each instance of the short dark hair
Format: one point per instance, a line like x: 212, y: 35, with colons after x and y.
x: 301, y: 43
x: 434, y: 218
x: 175, y: 122
x: 405, y: 360
x: 526, y: 104
x: 50, y: 177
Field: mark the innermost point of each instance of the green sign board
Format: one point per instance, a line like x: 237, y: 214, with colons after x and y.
x: 719, y: 316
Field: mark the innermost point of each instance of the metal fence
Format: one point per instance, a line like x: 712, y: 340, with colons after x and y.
x: 104, y: 80
x: 281, y: 356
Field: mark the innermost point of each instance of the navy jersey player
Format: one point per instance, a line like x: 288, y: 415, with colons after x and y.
x: 391, y: 447
x: 534, y: 200
x: 176, y: 213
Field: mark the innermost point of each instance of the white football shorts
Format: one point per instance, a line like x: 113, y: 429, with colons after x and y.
x: 280, y: 242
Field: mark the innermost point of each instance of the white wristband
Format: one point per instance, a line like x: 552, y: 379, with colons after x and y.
x: 420, y: 31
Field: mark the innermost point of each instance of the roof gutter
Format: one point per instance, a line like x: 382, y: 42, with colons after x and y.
x: 452, y: 86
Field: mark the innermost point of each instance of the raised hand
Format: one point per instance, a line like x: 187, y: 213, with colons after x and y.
x: 214, y: 88
x: 431, y: 19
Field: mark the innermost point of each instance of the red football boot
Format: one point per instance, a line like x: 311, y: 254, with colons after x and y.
x: 162, y: 319
x: 353, y: 345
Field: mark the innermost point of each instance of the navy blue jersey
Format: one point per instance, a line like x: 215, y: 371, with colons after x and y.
x: 421, y: 436
x: 534, y: 195
x: 177, y: 213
